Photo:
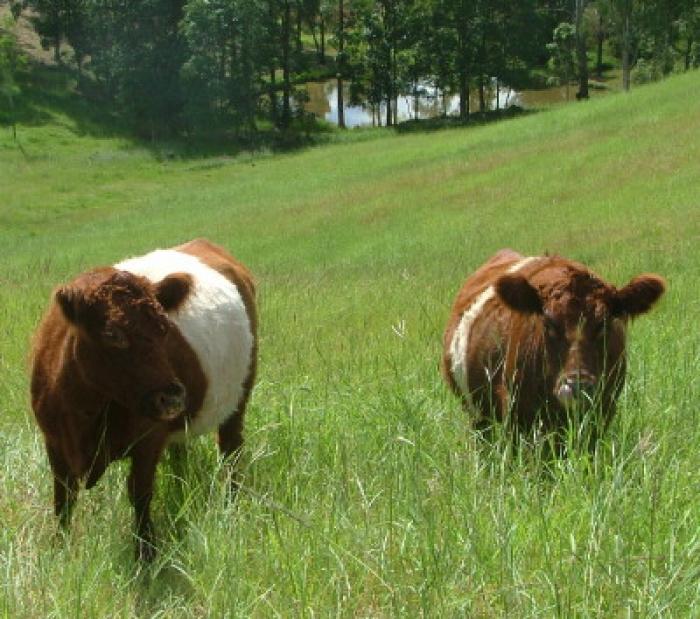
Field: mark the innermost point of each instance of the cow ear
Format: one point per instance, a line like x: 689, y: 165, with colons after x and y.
x: 518, y: 294
x: 70, y: 300
x: 638, y: 296
x: 172, y: 291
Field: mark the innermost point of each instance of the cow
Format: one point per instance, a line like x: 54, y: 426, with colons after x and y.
x: 532, y: 340
x: 134, y: 357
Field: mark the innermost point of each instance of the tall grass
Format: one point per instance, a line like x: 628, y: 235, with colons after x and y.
x: 365, y: 491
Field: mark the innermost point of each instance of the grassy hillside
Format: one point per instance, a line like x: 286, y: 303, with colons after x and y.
x: 366, y: 493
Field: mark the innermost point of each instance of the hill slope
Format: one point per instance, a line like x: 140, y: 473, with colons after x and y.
x: 366, y: 494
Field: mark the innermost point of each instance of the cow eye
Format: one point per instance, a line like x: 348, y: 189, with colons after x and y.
x: 114, y: 337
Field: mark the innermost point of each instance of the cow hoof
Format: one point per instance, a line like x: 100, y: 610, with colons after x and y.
x: 145, y: 551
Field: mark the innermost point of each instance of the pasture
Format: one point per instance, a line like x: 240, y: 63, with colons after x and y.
x: 366, y: 494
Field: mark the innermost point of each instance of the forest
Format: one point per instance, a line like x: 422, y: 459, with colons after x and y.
x: 233, y: 67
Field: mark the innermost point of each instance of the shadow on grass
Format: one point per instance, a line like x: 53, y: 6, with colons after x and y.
x: 49, y: 92
x: 448, y: 122
x: 58, y: 95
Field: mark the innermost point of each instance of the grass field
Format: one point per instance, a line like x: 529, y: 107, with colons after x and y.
x: 366, y: 493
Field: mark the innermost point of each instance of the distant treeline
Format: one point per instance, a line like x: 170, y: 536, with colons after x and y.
x: 208, y: 66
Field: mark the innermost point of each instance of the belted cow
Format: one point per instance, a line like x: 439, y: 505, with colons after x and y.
x: 531, y: 338
x: 133, y: 357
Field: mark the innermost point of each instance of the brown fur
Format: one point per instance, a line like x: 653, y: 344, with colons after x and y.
x: 112, y: 377
x: 551, y: 326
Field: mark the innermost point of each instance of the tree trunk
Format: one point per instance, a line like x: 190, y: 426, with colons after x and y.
x: 14, y: 120
x: 273, y: 96
x: 388, y: 105
x: 286, y: 78
x: 341, y: 63
x: 79, y: 65
x: 415, y: 98
x: 626, y: 68
x: 341, y: 103
x: 322, y: 27
x: 394, y: 68
x: 312, y: 25
x: 601, y: 39
x: 300, y: 45
x: 482, y: 67
x: 463, y: 94
x: 248, y: 80
x: 232, y: 67
x: 581, y: 52
x: 482, y: 96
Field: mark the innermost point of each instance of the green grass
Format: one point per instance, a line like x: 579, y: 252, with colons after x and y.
x: 366, y: 493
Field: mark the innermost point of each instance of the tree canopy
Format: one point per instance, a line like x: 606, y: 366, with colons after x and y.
x: 212, y: 66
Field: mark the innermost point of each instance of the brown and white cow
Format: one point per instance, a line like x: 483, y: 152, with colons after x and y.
x: 530, y: 339
x: 133, y: 357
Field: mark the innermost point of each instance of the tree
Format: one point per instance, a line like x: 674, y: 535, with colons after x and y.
x: 375, y: 51
x: 599, y: 29
x: 50, y: 22
x: 688, y: 28
x: 12, y: 61
x: 668, y: 31
x: 625, y: 19
x: 313, y: 14
x: 391, y: 26
x: 415, y: 58
x: 562, y: 51
x: 286, y: 42
x: 223, y: 67
x: 525, y: 31
x: 137, y: 51
x: 456, y: 47
x: 76, y: 31
x: 581, y: 48
x: 341, y: 63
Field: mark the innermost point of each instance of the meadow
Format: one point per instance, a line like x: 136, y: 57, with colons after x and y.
x: 366, y: 493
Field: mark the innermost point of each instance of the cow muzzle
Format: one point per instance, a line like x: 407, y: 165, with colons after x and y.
x: 166, y: 404
x: 576, y: 388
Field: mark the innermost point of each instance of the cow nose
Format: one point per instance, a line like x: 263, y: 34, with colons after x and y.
x: 170, y: 401
x: 578, y: 387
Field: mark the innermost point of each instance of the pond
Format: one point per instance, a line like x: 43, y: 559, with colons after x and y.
x: 323, y: 102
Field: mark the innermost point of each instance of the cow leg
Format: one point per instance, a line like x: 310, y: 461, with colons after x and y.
x: 65, y: 487
x: 144, y: 459
x: 493, y: 408
x: 231, y: 436
x: 231, y: 431
x: 177, y: 491
x: 177, y: 457
x: 230, y: 444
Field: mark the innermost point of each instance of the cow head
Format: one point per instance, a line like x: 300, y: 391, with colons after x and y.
x: 123, y: 333
x: 581, y: 321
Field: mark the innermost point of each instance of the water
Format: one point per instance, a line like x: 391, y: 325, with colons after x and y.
x: 323, y: 102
